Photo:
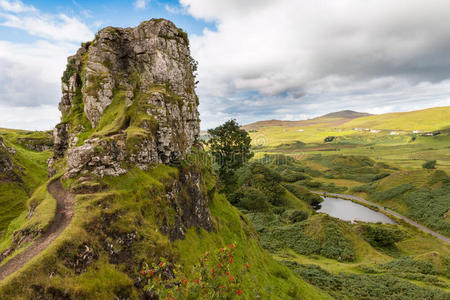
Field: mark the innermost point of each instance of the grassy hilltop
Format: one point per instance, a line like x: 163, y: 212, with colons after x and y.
x: 397, y: 138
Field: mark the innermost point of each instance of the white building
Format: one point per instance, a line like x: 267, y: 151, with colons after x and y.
x: 394, y: 133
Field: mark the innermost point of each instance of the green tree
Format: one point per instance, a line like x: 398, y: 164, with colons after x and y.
x: 230, y: 146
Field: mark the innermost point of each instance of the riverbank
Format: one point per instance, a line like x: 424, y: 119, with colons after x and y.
x: 388, y: 212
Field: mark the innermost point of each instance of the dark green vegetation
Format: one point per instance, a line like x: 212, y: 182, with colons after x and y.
x: 26, y: 172
x: 364, y: 286
x: 115, y: 231
x: 431, y: 164
x: 405, y: 171
x: 349, y: 261
x: 230, y: 147
x: 422, y: 195
x: 320, y: 234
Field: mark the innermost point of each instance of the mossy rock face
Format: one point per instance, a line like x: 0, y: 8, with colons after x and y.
x: 134, y: 84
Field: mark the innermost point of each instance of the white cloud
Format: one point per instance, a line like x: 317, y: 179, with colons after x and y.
x: 339, y: 50
x: 30, y: 72
x: 175, y: 10
x: 15, y: 6
x: 56, y: 27
x: 42, y: 117
x: 141, y: 4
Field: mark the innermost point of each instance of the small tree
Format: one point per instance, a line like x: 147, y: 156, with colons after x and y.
x: 431, y: 164
x: 230, y: 146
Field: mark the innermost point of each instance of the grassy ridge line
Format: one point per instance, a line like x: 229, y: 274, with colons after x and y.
x: 426, y: 120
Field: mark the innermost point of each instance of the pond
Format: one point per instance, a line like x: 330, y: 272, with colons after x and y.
x: 350, y: 211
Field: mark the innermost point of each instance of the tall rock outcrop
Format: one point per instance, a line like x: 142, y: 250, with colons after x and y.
x: 128, y: 99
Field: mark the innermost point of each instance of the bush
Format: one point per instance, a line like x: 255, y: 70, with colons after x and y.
x: 295, y: 215
x: 303, y: 194
x: 330, y: 242
x: 393, y: 193
x: 252, y: 199
x: 265, y: 180
x: 364, y: 286
x: 212, y: 278
x: 380, y: 176
x: 381, y: 235
x: 431, y: 164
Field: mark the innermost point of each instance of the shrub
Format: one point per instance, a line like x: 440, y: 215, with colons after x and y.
x: 381, y: 235
x: 380, y: 176
x: 253, y: 199
x: 431, y: 164
x: 407, y: 264
x: 393, y: 193
x: 212, y: 278
x: 364, y: 286
x: 303, y: 194
x: 295, y: 215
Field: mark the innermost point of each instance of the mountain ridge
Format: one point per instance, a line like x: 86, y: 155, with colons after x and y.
x: 428, y: 119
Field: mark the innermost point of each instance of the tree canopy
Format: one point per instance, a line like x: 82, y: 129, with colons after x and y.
x: 230, y: 147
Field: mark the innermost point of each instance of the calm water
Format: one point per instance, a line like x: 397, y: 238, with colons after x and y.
x: 350, y: 211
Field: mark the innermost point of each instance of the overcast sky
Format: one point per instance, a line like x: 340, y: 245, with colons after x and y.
x: 258, y: 59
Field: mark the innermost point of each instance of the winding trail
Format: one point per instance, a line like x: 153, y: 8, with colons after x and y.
x: 381, y: 208
x: 64, y: 212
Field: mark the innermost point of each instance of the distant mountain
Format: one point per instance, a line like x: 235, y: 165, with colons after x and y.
x: 347, y: 114
x: 334, y: 118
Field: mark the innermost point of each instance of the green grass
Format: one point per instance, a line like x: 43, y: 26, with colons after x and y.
x: 137, y: 203
x: 425, y: 120
x: 44, y: 209
x: 30, y: 166
x: 422, y: 195
x: 406, y: 150
x: 323, y: 249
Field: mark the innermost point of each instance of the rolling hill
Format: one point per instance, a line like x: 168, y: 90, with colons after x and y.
x: 424, y: 120
x: 331, y: 119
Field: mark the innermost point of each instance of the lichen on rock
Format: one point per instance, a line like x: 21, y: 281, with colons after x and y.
x: 128, y: 99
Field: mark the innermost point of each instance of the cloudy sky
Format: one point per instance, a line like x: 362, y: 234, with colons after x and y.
x: 258, y: 59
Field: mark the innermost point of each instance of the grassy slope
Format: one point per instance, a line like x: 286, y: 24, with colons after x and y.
x: 138, y: 198
x: 420, y: 194
x: 406, y: 150
x: 425, y: 120
x: 300, y: 243
x: 30, y: 166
